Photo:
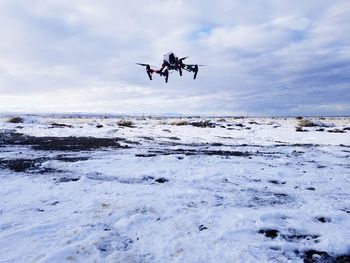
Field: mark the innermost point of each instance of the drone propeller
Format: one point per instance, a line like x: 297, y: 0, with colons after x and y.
x: 181, y: 59
x: 199, y: 65
x: 141, y: 64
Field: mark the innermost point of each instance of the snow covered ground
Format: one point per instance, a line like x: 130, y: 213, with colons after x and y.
x: 85, y: 189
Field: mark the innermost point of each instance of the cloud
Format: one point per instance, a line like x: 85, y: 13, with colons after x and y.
x: 264, y: 57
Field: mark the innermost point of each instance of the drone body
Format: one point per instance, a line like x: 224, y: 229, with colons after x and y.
x: 171, y: 62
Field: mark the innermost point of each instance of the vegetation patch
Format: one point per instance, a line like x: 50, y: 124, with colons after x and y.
x: 126, y: 123
x: 203, y: 124
x: 16, y: 120
x: 179, y: 122
x: 306, y: 123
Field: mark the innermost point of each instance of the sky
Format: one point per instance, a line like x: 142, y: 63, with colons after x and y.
x: 264, y: 57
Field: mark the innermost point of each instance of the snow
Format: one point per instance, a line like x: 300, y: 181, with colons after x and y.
x: 198, y: 195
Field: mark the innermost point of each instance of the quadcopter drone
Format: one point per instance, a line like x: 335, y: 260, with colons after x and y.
x: 171, y: 62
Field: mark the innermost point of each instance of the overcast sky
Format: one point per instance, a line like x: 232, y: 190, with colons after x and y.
x: 265, y: 57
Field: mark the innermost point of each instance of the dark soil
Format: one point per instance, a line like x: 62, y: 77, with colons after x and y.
x: 323, y: 219
x: 147, y: 138
x: 60, y: 125
x: 270, y: 233
x: 60, y: 143
x: 276, y: 182
x: 33, y: 165
x: 20, y: 165
x: 310, y: 188
x: 199, y: 152
x: 265, y: 198
x: 174, y: 138
x: 336, y: 131
x: 203, y: 124
x: 146, y: 155
x: 293, y: 236
x: 202, y: 227
x: 299, y: 129
x: 71, y: 159
x: 161, y: 180
x: 296, y: 237
x: 67, y: 179
x: 314, y: 256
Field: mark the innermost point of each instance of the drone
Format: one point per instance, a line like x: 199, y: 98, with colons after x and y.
x: 170, y: 63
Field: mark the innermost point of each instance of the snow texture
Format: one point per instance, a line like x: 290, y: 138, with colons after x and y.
x: 85, y: 189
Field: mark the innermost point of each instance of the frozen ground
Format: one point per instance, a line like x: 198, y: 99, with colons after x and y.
x: 242, y: 190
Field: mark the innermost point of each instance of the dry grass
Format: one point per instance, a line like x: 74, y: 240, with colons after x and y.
x: 179, y: 122
x: 16, y: 120
x: 306, y: 123
x: 126, y: 123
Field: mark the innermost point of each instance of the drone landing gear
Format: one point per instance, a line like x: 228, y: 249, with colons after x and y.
x: 149, y: 71
x: 190, y: 68
x: 195, y: 70
x: 165, y: 74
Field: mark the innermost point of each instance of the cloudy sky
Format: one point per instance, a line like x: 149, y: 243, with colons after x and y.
x: 264, y: 57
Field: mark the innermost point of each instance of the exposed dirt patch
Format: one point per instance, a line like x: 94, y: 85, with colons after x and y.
x: 61, y: 143
x: 60, y: 125
x: 203, y: 124
x: 336, y: 131
x: 147, y: 138
x: 292, y: 236
x: 173, y: 138
x: 276, y: 182
x: 161, y: 180
x: 299, y: 129
x: 270, y: 233
x: 200, y: 152
x: 310, y: 188
x: 71, y: 159
x: 202, y: 227
x: 143, y: 180
x: 146, y: 155
x: 266, y: 198
x: 314, y: 256
x: 68, y: 179
x: 323, y: 219
x: 72, y: 143
x: 34, y: 165
x: 20, y: 165
x: 298, y: 237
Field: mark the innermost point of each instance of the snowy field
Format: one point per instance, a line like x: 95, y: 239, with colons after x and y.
x: 174, y: 190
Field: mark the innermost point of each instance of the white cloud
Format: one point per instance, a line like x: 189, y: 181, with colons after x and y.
x: 264, y: 56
